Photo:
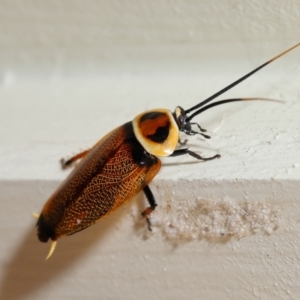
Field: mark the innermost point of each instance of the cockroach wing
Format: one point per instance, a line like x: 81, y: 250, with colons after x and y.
x: 114, y: 171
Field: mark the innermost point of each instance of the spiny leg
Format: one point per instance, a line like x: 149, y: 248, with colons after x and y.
x: 193, y: 154
x: 146, y: 213
x: 72, y: 160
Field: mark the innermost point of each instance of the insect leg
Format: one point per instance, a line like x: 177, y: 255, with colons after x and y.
x: 199, y: 127
x: 146, y: 213
x: 193, y: 154
x: 204, y: 135
x: 70, y: 161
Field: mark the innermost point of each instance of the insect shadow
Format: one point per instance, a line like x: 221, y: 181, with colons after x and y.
x: 27, y: 271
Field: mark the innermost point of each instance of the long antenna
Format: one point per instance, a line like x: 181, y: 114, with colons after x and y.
x: 199, y: 111
x: 230, y: 86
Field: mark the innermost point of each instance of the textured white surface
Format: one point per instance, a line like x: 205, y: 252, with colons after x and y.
x: 72, y: 70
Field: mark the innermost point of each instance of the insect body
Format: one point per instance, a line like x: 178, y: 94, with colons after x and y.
x: 122, y: 164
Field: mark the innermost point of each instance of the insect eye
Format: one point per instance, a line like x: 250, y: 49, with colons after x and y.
x: 180, y: 121
x: 180, y: 116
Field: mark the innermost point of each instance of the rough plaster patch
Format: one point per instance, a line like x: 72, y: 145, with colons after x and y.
x: 213, y: 220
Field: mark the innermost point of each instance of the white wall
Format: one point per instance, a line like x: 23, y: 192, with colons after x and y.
x: 70, y: 71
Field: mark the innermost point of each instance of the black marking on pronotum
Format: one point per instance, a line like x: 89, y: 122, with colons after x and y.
x: 161, y: 134
x: 151, y: 116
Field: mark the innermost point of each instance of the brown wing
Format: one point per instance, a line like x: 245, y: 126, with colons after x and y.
x: 114, y: 171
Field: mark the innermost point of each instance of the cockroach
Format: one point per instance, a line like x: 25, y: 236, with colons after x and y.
x: 122, y: 164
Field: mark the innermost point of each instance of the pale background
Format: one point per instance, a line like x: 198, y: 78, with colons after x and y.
x: 70, y: 71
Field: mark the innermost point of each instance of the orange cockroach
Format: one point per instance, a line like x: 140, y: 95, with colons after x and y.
x: 122, y: 164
